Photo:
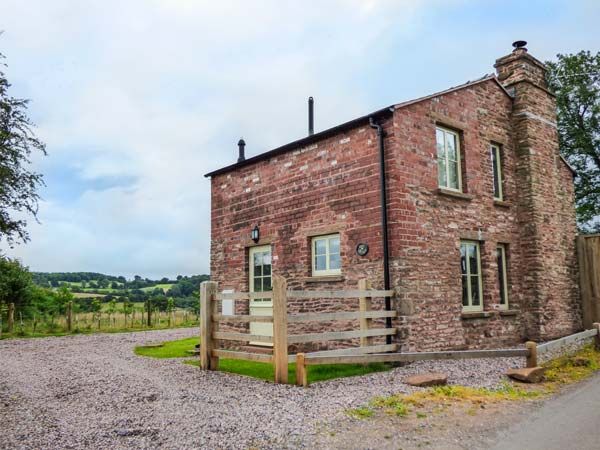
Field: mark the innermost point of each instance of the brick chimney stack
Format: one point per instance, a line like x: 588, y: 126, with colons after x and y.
x: 550, y: 300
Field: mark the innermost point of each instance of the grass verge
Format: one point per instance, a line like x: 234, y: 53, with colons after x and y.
x: 561, y: 371
x: 263, y: 371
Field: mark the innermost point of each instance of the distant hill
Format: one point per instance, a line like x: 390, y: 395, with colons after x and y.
x: 138, y: 289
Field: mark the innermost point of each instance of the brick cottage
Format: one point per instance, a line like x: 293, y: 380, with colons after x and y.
x: 476, y: 219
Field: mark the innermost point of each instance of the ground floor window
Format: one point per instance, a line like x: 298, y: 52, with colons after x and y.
x: 326, y: 255
x: 470, y: 265
x: 502, y: 275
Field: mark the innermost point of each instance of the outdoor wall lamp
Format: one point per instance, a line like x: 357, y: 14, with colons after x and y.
x: 255, y: 234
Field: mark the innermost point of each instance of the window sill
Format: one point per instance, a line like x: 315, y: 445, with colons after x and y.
x: 509, y: 312
x: 502, y: 203
x: 455, y: 194
x: 476, y: 315
x: 323, y: 278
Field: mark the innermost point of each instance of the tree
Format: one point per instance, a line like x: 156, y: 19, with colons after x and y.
x: 63, y: 296
x: 575, y: 79
x: 18, y: 184
x: 15, y: 281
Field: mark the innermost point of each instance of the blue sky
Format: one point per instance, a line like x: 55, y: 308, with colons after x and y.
x: 136, y: 100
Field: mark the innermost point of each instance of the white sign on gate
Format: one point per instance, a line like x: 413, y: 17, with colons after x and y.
x: 227, y: 305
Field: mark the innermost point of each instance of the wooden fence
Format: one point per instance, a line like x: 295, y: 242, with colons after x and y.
x: 367, y: 352
x: 588, y: 249
x: 211, y: 318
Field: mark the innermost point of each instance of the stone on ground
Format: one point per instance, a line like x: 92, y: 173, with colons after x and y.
x: 527, y: 374
x: 427, y: 379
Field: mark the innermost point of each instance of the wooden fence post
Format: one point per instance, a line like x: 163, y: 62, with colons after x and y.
x: 301, y: 373
x: 280, y: 338
x: 532, y: 355
x: 365, y: 305
x: 149, y: 312
x: 597, y: 339
x: 70, y: 316
x: 208, y: 290
x: 11, y: 317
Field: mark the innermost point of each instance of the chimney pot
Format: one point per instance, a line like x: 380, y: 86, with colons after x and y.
x: 518, y: 45
x: 241, y: 149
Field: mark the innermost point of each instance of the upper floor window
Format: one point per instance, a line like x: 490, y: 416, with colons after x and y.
x: 448, y: 156
x: 502, y: 275
x: 497, y: 171
x: 326, y: 255
x: 470, y: 266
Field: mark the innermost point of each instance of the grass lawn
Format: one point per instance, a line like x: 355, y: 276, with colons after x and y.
x: 263, y: 371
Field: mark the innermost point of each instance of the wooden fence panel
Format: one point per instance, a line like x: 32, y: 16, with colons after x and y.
x: 588, y: 250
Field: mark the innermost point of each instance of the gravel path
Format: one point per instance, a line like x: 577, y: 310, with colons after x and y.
x: 93, y: 392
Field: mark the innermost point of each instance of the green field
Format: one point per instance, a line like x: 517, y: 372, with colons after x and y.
x: 165, y: 287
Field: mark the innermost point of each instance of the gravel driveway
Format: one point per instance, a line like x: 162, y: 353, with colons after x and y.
x: 93, y: 392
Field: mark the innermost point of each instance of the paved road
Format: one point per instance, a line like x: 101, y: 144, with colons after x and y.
x: 569, y: 421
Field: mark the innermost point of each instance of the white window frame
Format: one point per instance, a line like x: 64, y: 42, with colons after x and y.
x: 446, y: 131
x: 495, y: 151
x: 470, y: 307
x: 504, y: 281
x: 327, y: 271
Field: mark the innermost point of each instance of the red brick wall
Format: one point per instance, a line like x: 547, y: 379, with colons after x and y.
x: 333, y: 186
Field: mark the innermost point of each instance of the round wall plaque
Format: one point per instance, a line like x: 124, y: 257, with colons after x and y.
x: 362, y: 249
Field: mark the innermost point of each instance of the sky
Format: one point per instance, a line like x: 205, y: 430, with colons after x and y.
x: 136, y: 100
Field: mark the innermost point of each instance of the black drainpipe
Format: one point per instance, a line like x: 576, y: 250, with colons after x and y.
x: 384, y: 222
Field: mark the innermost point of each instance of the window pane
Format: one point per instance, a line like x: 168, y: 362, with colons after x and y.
x: 451, y: 146
x: 439, y: 139
x: 320, y: 262
x: 463, y: 259
x: 475, y: 300
x: 334, y: 245
x: 465, y: 291
x: 267, y: 284
x: 258, y: 271
x: 442, y: 172
x: 334, y: 261
x: 257, y: 259
x: 320, y: 246
x: 266, y: 260
x: 453, y: 174
x: 473, y: 269
x: 496, y: 167
x: 267, y: 269
x: 257, y: 284
x: 501, y: 275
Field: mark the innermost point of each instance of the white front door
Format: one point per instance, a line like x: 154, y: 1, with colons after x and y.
x: 260, y: 281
